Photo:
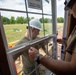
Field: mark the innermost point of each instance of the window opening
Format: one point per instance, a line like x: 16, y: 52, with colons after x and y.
x: 26, y: 13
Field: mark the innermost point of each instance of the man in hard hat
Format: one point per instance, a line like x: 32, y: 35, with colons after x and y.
x: 59, y: 67
x: 28, y: 65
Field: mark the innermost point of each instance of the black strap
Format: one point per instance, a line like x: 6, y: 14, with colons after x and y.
x: 37, y: 58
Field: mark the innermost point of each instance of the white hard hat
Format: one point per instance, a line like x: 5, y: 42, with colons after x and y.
x: 35, y: 23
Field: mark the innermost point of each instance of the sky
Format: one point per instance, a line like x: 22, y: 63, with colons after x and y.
x: 60, y: 8
x: 20, y: 5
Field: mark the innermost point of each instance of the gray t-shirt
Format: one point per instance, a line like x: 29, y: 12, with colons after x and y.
x: 28, y: 64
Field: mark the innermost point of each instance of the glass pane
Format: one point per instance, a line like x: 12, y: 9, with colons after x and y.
x: 34, y: 10
x: 14, y: 26
x: 47, y: 6
x: 47, y: 25
x: 13, y: 4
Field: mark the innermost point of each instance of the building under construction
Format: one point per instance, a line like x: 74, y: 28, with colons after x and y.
x: 14, y: 19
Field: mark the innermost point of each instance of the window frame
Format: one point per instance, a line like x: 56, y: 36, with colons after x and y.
x: 11, y: 52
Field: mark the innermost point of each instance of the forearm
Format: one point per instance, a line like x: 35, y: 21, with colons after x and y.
x: 61, y: 41
x: 56, y: 66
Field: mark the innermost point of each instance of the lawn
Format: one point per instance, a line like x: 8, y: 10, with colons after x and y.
x: 15, y: 32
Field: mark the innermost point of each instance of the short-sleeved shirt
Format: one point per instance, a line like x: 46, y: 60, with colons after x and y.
x: 28, y: 65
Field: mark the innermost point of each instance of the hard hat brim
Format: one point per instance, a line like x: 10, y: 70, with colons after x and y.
x: 35, y: 27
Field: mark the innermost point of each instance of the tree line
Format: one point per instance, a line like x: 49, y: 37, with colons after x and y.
x: 22, y: 20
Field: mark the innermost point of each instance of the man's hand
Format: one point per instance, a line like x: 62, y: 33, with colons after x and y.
x: 32, y: 53
x: 61, y: 41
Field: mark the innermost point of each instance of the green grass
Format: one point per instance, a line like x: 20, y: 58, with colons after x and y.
x: 13, y: 35
x: 59, y: 25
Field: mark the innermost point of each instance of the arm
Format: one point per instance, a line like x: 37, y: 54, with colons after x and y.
x: 59, y: 67
x: 61, y: 41
x: 56, y: 66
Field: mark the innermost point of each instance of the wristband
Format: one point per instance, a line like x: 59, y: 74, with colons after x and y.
x: 37, y: 58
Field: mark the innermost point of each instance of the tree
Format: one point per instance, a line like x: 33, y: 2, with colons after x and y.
x: 12, y: 20
x: 31, y: 18
x: 5, y: 20
x: 47, y: 20
x: 60, y: 20
x: 20, y: 20
x: 40, y: 20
